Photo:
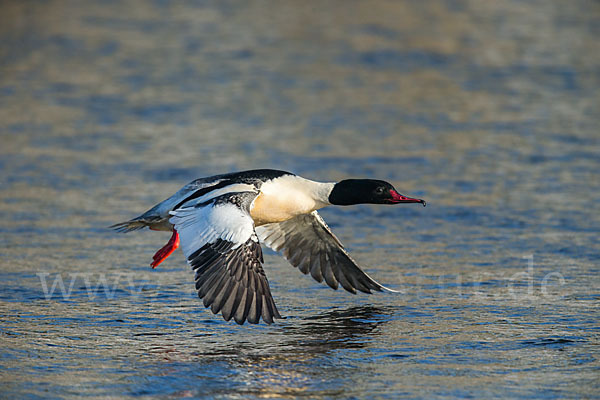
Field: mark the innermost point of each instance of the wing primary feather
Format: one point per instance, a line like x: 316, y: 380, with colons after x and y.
x: 223, y: 295
x: 212, y: 292
x: 304, y: 265
x: 201, y: 264
x: 267, y: 308
x: 318, y: 265
x: 231, y: 303
x: 236, y: 265
x: 248, y: 304
x: 341, y: 278
x: 201, y: 279
x: 267, y: 312
x: 297, y: 259
x: 259, y: 292
x: 251, y: 279
x: 357, y: 283
x: 210, y: 285
x: 209, y: 267
x: 253, y: 316
x: 328, y: 275
x: 242, y: 309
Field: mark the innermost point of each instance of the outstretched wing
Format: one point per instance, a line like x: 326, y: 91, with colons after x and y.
x: 219, y: 242
x: 308, y: 244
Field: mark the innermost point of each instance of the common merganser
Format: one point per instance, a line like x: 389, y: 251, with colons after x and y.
x: 221, y: 220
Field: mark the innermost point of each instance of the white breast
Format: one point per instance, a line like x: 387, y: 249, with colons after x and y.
x: 285, y: 197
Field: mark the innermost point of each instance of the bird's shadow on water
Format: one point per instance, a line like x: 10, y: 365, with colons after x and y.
x: 333, y: 329
x: 295, y: 357
x: 302, y: 339
x: 301, y: 354
x: 294, y: 337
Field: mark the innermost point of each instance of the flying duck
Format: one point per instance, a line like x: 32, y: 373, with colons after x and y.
x: 220, y: 221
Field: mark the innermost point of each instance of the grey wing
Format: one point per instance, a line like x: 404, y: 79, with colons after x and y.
x: 308, y: 244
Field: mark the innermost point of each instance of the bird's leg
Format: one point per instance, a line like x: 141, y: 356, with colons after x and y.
x: 166, y: 250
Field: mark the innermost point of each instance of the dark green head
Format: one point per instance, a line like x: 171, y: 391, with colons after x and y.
x: 367, y: 191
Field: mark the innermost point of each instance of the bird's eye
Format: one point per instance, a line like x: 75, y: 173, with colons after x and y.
x: 379, y: 190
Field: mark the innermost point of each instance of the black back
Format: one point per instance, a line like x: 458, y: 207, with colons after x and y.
x: 254, y: 177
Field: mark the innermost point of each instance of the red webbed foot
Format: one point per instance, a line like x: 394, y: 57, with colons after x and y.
x: 166, y: 250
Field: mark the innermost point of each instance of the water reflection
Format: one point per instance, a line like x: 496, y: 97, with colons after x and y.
x: 285, y: 360
x: 306, y: 337
x: 340, y: 328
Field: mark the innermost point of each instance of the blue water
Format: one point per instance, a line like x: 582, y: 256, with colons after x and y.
x: 488, y: 110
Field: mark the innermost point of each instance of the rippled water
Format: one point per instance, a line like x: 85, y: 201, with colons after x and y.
x: 488, y: 110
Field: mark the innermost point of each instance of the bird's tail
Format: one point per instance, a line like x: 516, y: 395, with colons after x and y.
x: 134, y: 224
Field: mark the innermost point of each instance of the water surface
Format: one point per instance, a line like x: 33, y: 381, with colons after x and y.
x: 488, y: 110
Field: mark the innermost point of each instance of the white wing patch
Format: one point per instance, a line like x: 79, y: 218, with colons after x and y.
x: 198, y: 226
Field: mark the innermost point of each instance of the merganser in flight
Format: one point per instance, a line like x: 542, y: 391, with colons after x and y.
x: 221, y: 220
